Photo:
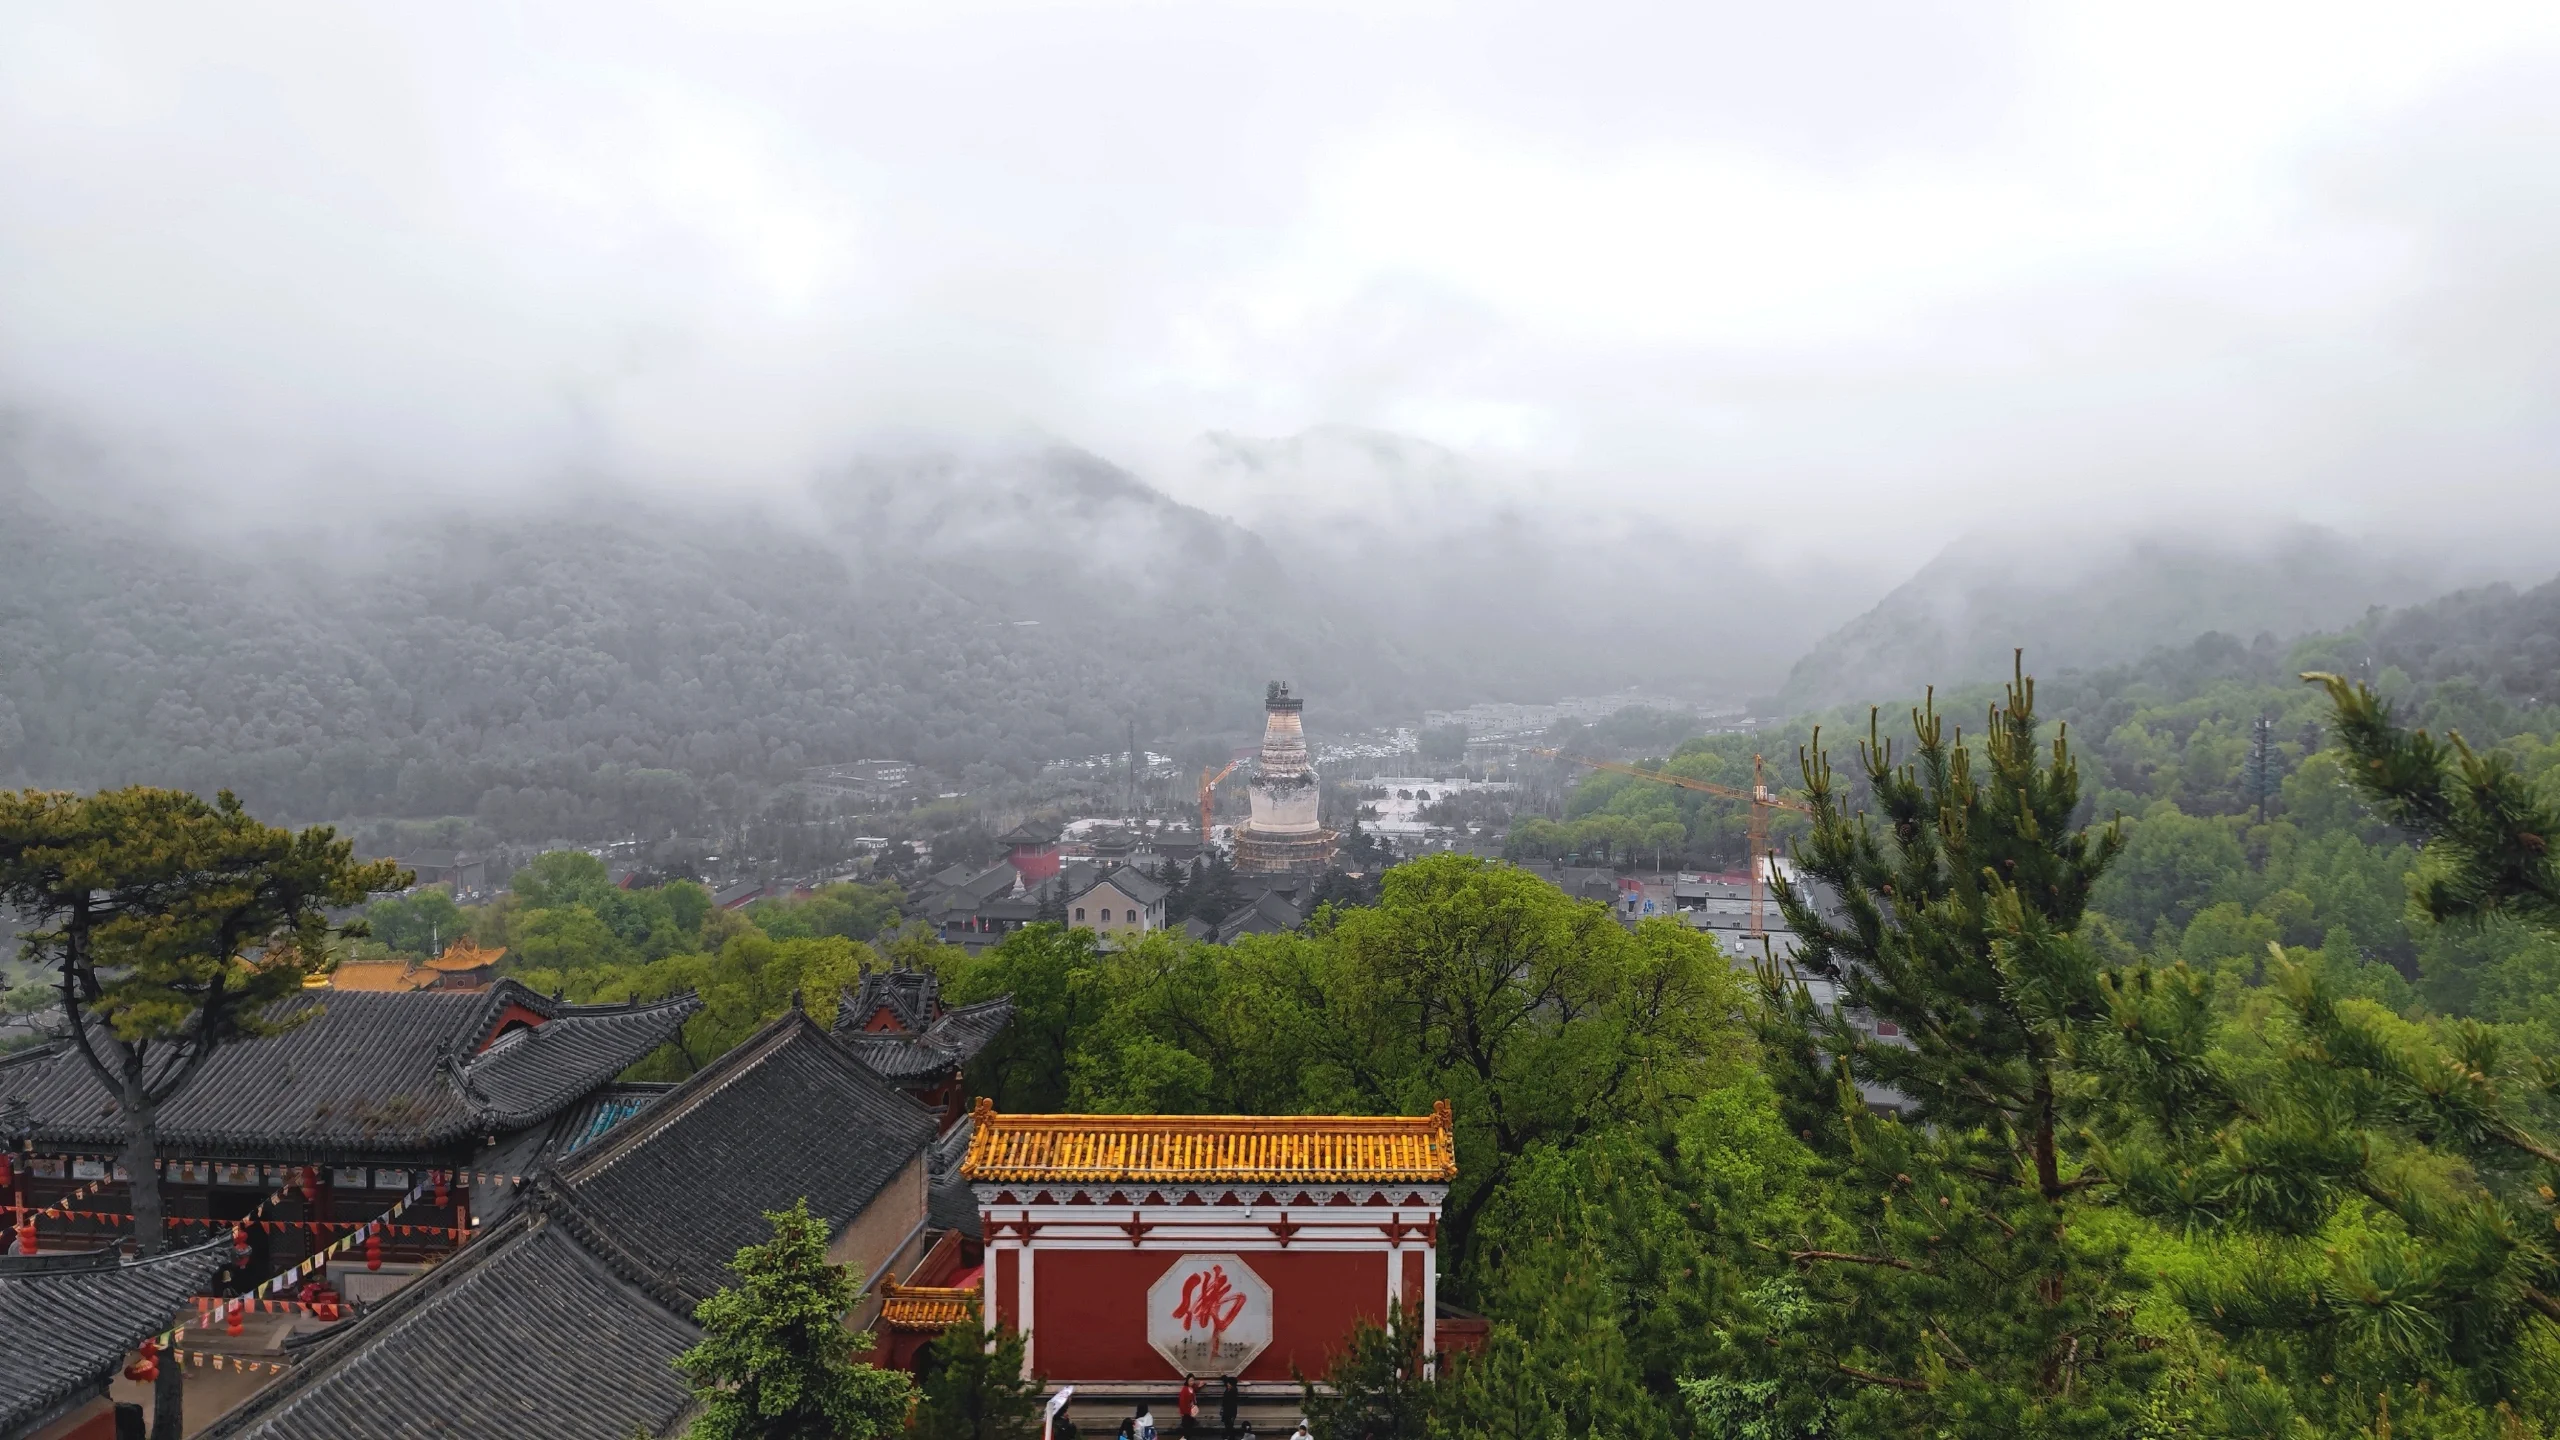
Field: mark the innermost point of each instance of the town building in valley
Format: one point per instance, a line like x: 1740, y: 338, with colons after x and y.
x: 1122, y: 902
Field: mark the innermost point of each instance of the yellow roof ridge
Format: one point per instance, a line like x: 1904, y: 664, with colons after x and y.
x: 1210, y: 1149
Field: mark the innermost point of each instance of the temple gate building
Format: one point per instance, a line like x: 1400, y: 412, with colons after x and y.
x: 1284, y: 836
x: 1135, y: 1249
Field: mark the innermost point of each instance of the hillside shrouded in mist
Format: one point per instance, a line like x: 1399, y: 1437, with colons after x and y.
x: 591, y: 660
x: 2101, y: 600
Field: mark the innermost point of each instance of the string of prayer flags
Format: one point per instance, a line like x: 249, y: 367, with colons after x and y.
x: 291, y: 1279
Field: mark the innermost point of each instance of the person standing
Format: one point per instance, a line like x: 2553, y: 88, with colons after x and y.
x: 1143, y: 1424
x: 1227, y: 1408
x: 1186, y: 1409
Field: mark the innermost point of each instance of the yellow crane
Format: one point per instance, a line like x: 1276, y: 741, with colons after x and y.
x: 1759, y: 797
x: 1208, y: 793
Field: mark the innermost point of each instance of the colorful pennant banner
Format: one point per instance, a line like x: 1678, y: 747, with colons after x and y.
x: 292, y: 1279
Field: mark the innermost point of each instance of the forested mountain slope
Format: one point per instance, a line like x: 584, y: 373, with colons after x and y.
x: 2235, y: 836
x: 591, y: 664
x: 1544, y: 585
x: 2096, y: 602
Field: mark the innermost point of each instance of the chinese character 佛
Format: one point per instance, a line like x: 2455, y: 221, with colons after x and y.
x: 1209, y: 1302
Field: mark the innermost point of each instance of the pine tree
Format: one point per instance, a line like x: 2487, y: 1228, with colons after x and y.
x: 2391, y: 1183
x: 973, y: 1387
x: 1943, y: 1283
x: 1378, y: 1388
x: 775, y: 1361
x: 1177, y: 897
x: 2489, y: 836
x: 1217, y: 894
x: 174, y: 926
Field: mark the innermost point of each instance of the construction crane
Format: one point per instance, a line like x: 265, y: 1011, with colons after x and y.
x: 1759, y: 797
x: 1209, y: 792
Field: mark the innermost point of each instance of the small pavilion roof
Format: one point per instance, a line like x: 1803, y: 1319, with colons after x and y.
x: 912, y: 998
x: 1210, y: 1149
x: 67, y: 1322
x: 462, y: 956
x: 392, y: 974
x: 949, y: 1043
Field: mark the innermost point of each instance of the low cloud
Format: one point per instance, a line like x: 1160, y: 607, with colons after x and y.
x: 1841, y: 280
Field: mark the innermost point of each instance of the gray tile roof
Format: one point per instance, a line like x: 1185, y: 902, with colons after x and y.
x: 561, y: 1320
x: 945, y: 1046
x: 953, y: 1202
x: 788, y: 1114
x: 530, y: 1330
x: 373, y: 1073
x: 1269, y: 913
x: 912, y: 996
x: 1129, y: 880
x: 67, y: 1321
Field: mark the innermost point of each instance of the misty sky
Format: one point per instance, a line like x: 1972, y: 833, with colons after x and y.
x: 1911, y: 264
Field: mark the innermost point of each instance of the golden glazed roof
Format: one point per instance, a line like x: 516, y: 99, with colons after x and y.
x: 372, y: 975
x: 925, y: 1307
x: 1210, y: 1149
x: 462, y: 955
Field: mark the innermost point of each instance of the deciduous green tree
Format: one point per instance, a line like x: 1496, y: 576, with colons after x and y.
x: 1541, y: 1019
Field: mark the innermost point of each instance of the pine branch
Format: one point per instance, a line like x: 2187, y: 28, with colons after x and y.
x: 1894, y: 1382
x: 1808, y: 1257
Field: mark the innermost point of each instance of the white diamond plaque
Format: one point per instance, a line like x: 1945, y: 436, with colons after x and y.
x: 1209, y: 1315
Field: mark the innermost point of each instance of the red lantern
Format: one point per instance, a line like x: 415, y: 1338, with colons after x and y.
x: 240, y: 1241
x: 373, y: 1249
x: 146, y: 1363
x: 310, y: 1184
x: 441, y: 1192
x: 231, y: 1320
x: 27, y: 1236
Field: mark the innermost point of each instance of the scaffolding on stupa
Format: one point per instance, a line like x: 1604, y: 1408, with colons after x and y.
x: 1284, y: 837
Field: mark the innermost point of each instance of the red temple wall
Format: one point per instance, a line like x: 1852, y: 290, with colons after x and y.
x: 1090, y: 1307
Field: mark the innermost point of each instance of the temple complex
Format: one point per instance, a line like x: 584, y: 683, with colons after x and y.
x: 563, y: 1316
x: 291, y: 1140
x: 1284, y: 836
x: 1133, y: 1250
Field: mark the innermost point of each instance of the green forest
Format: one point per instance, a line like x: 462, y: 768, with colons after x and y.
x: 2193, y: 1072
x: 2219, y: 1056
